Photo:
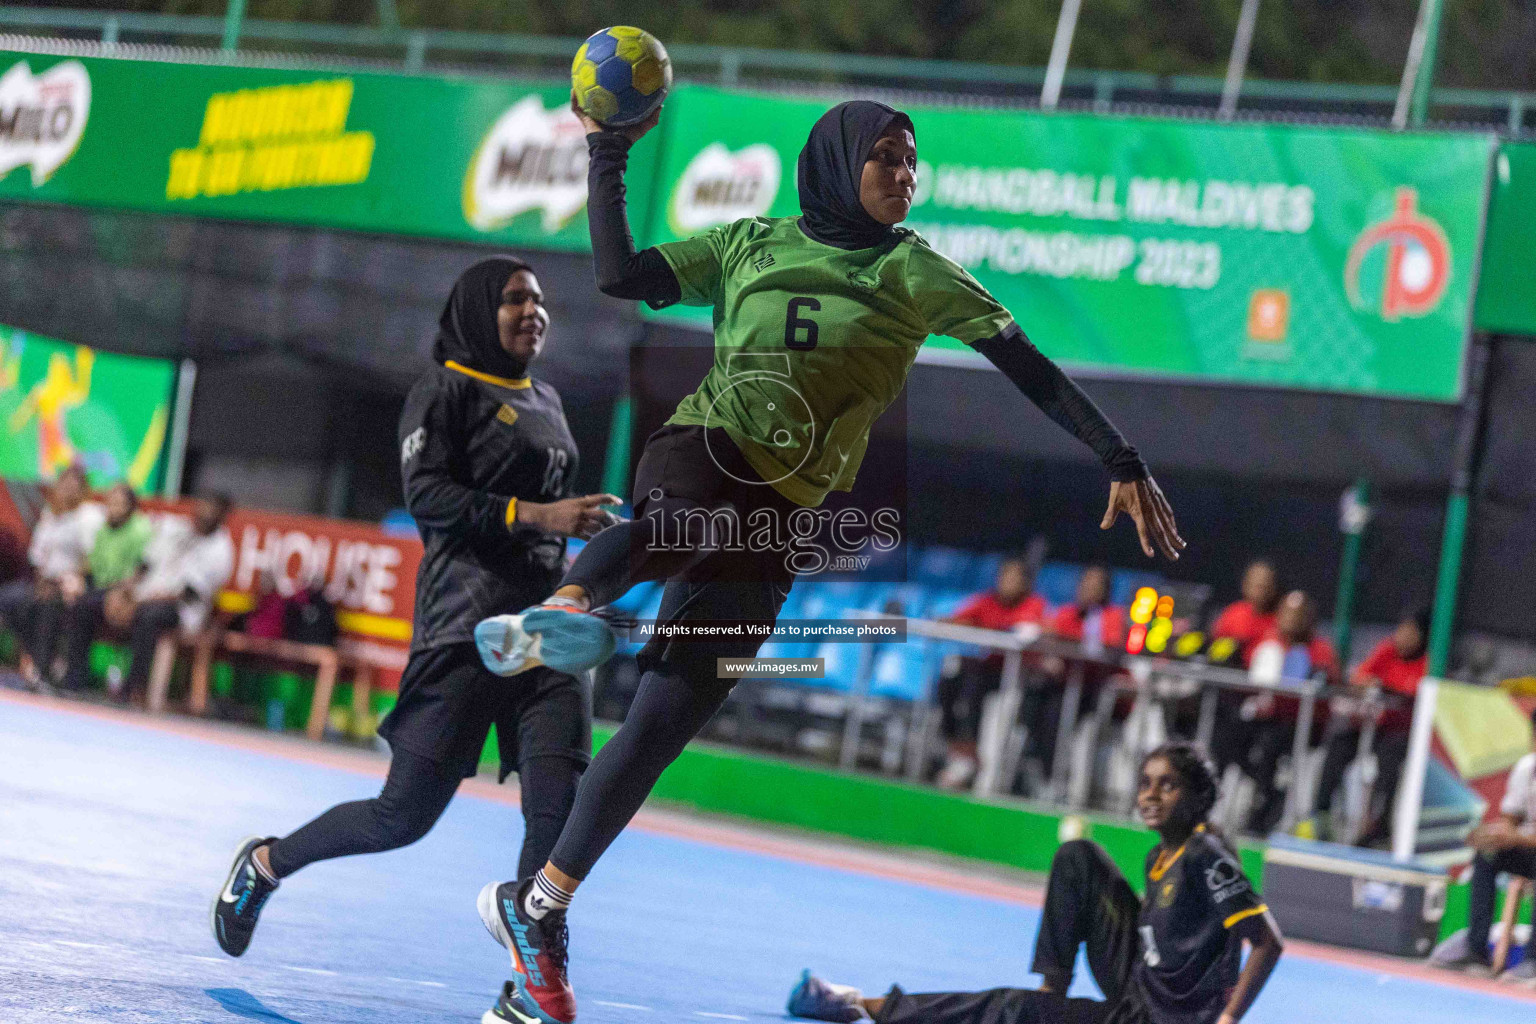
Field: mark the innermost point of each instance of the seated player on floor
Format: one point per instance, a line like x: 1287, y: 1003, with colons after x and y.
x: 1175, y: 958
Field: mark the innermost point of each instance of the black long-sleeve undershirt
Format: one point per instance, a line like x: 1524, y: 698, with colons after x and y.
x: 1058, y: 397
x: 621, y: 272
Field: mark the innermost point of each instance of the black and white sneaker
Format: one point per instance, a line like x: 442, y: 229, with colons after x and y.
x: 239, y: 903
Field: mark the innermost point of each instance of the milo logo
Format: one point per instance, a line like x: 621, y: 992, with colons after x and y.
x: 42, y: 117
x: 719, y: 186
x: 531, y: 159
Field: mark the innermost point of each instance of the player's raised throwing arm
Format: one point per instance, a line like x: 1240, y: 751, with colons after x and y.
x: 1132, y: 489
x: 621, y: 272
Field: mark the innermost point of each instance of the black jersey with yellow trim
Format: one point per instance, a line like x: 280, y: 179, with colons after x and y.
x: 1190, y: 958
x: 472, y: 445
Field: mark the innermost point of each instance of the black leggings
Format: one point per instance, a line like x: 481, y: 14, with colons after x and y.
x: 1087, y: 902
x: 695, y: 505
x: 415, y: 794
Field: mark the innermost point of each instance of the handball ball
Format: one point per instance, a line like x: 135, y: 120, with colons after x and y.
x: 620, y: 75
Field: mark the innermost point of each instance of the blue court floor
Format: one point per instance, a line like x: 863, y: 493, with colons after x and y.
x: 115, y: 834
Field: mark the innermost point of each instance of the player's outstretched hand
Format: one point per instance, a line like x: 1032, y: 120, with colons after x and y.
x: 1143, y: 501
x: 581, y: 517
x: 633, y: 132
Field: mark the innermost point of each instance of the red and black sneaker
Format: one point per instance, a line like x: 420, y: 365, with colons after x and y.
x: 539, y: 993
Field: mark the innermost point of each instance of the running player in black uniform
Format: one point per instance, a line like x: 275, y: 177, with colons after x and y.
x: 488, y: 461
x: 835, y: 304
x: 1172, y: 958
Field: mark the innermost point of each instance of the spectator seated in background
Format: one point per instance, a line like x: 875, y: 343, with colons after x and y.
x: 1244, y: 622
x: 1293, y: 649
x: 1090, y: 619
x: 1009, y: 604
x: 1099, y: 627
x: 1395, y: 665
x: 61, y: 541
x: 186, y: 564
x: 116, y: 558
x: 1507, y: 844
x: 1251, y: 619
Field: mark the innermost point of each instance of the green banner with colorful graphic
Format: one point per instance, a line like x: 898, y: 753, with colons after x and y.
x: 61, y: 404
x: 1321, y: 258
x: 477, y: 160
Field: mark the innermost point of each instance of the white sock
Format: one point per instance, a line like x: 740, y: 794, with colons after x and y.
x: 266, y: 875
x: 544, y: 897
x: 565, y: 602
x: 845, y: 993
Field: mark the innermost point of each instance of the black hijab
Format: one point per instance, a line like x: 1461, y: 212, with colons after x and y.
x: 831, y: 165
x: 466, y: 332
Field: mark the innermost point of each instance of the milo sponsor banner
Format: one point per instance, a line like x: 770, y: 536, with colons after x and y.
x: 494, y: 161
x: 1321, y: 258
x: 62, y: 404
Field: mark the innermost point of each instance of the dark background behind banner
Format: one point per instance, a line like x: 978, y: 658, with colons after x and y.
x: 306, y: 342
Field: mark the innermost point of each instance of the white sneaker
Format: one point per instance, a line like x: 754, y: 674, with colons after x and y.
x: 562, y: 637
x: 957, y: 773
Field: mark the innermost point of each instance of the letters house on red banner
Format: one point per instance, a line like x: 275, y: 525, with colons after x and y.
x: 370, y: 575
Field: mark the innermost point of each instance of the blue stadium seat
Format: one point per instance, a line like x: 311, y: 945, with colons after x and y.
x: 1125, y: 582
x: 843, y: 662
x: 1057, y: 582
x: 903, y: 671
x: 939, y: 566
x: 984, y: 570
x: 944, y: 601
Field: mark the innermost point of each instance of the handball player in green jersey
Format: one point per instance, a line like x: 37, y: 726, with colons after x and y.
x: 817, y: 321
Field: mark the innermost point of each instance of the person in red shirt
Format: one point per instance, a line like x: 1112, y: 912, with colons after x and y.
x: 1249, y: 620
x: 1270, y: 719
x: 1395, y: 665
x: 1010, y: 603
x: 1099, y: 626
x: 1091, y: 613
x: 1246, y: 621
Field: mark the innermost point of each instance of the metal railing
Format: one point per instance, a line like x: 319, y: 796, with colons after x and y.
x: 1149, y: 681
x: 392, y: 46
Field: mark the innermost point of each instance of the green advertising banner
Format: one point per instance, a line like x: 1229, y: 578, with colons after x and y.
x: 483, y: 161
x: 1320, y: 258
x: 61, y: 404
x: 1506, y: 286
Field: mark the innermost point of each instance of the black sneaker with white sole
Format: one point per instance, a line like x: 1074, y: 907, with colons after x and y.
x: 239, y: 903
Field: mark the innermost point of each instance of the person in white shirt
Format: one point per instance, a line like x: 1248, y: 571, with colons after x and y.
x: 61, y: 541
x: 186, y: 565
x: 1506, y: 844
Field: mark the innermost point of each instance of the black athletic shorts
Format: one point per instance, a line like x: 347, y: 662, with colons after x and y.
x: 449, y: 701
x: 703, y: 467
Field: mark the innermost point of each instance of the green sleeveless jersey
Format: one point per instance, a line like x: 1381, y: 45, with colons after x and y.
x: 812, y: 342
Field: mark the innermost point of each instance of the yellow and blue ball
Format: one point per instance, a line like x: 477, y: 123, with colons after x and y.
x: 620, y: 75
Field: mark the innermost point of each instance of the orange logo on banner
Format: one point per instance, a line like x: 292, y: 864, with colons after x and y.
x: 1269, y: 314
x: 1418, y: 265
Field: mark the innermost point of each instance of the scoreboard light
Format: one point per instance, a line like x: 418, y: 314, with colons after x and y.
x: 1152, y: 614
x: 1222, y: 649
x: 1188, y: 645
x: 1136, y: 640
x: 1143, y: 607
x: 1158, y: 634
